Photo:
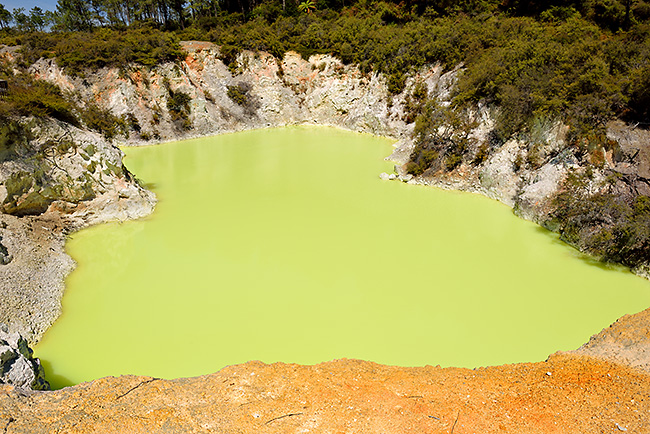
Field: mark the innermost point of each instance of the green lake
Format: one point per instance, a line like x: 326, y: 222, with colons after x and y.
x: 284, y: 245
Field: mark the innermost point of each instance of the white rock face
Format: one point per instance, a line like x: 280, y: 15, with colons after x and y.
x: 545, y: 184
x: 294, y: 90
x: 498, y: 177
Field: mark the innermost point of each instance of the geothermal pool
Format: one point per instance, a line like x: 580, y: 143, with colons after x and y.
x: 284, y: 245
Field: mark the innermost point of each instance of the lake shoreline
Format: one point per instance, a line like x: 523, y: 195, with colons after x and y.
x: 37, y: 242
x: 577, y: 391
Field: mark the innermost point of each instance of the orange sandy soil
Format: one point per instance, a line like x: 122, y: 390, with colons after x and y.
x: 568, y: 393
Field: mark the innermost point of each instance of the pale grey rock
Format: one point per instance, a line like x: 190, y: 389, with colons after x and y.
x: 634, y: 154
x: 388, y: 176
x: 402, y: 153
x: 17, y: 365
x: 533, y: 198
x: 317, y: 90
x: 498, y: 178
x: 86, y: 184
x: 5, y: 256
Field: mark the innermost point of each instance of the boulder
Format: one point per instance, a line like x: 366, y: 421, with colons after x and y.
x: 17, y: 366
x: 5, y: 257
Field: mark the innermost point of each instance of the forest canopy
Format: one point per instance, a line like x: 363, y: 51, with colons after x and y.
x: 584, y: 61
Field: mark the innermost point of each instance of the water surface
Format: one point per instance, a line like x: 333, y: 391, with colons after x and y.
x: 284, y: 245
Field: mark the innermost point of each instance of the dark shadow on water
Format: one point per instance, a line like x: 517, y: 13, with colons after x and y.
x: 151, y: 186
x: 56, y: 381
x: 588, y: 259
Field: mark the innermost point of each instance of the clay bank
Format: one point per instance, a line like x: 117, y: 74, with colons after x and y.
x: 81, y: 181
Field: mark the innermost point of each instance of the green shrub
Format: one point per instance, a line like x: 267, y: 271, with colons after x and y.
x: 610, y: 225
x: 396, y: 82
x: 78, y: 51
x: 415, y: 102
x: 241, y: 95
x: 237, y: 95
x: 13, y: 138
x: 179, y: 108
x: 421, y: 160
x: 103, y: 121
x: 30, y: 97
x: 453, y: 160
x: 482, y: 154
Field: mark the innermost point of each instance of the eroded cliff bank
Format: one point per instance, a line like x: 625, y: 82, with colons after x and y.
x: 61, y: 180
x: 69, y: 177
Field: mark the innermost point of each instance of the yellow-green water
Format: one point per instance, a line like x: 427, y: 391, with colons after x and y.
x: 284, y: 245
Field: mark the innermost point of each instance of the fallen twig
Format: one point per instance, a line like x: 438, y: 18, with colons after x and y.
x: 135, y: 387
x: 455, y: 422
x: 281, y: 417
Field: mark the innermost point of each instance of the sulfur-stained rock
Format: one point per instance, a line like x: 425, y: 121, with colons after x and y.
x: 581, y: 395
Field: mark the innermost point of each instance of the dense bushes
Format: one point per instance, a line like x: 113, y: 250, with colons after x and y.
x: 241, y: 95
x: 569, y: 70
x: 30, y: 97
x: 610, y: 225
x: 442, y: 138
x: 13, y: 138
x: 41, y: 99
x: 104, y: 47
x: 103, y: 121
x: 178, y: 105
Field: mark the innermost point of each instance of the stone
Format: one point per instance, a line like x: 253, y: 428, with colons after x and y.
x: 17, y: 366
x: 5, y: 257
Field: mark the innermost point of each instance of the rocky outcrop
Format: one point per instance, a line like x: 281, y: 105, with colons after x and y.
x: 64, y: 179
x: 280, y: 92
x: 5, y: 257
x: 627, y: 341
x: 522, y: 173
x: 17, y: 366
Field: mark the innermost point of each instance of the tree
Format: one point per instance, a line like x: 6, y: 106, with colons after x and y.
x: 178, y: 6
x: 37, y: 19
x: 5, y: 17
x: 307, y: 6
x: 626, y: 21
x: 74, y: 15
x: 21, y: 19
